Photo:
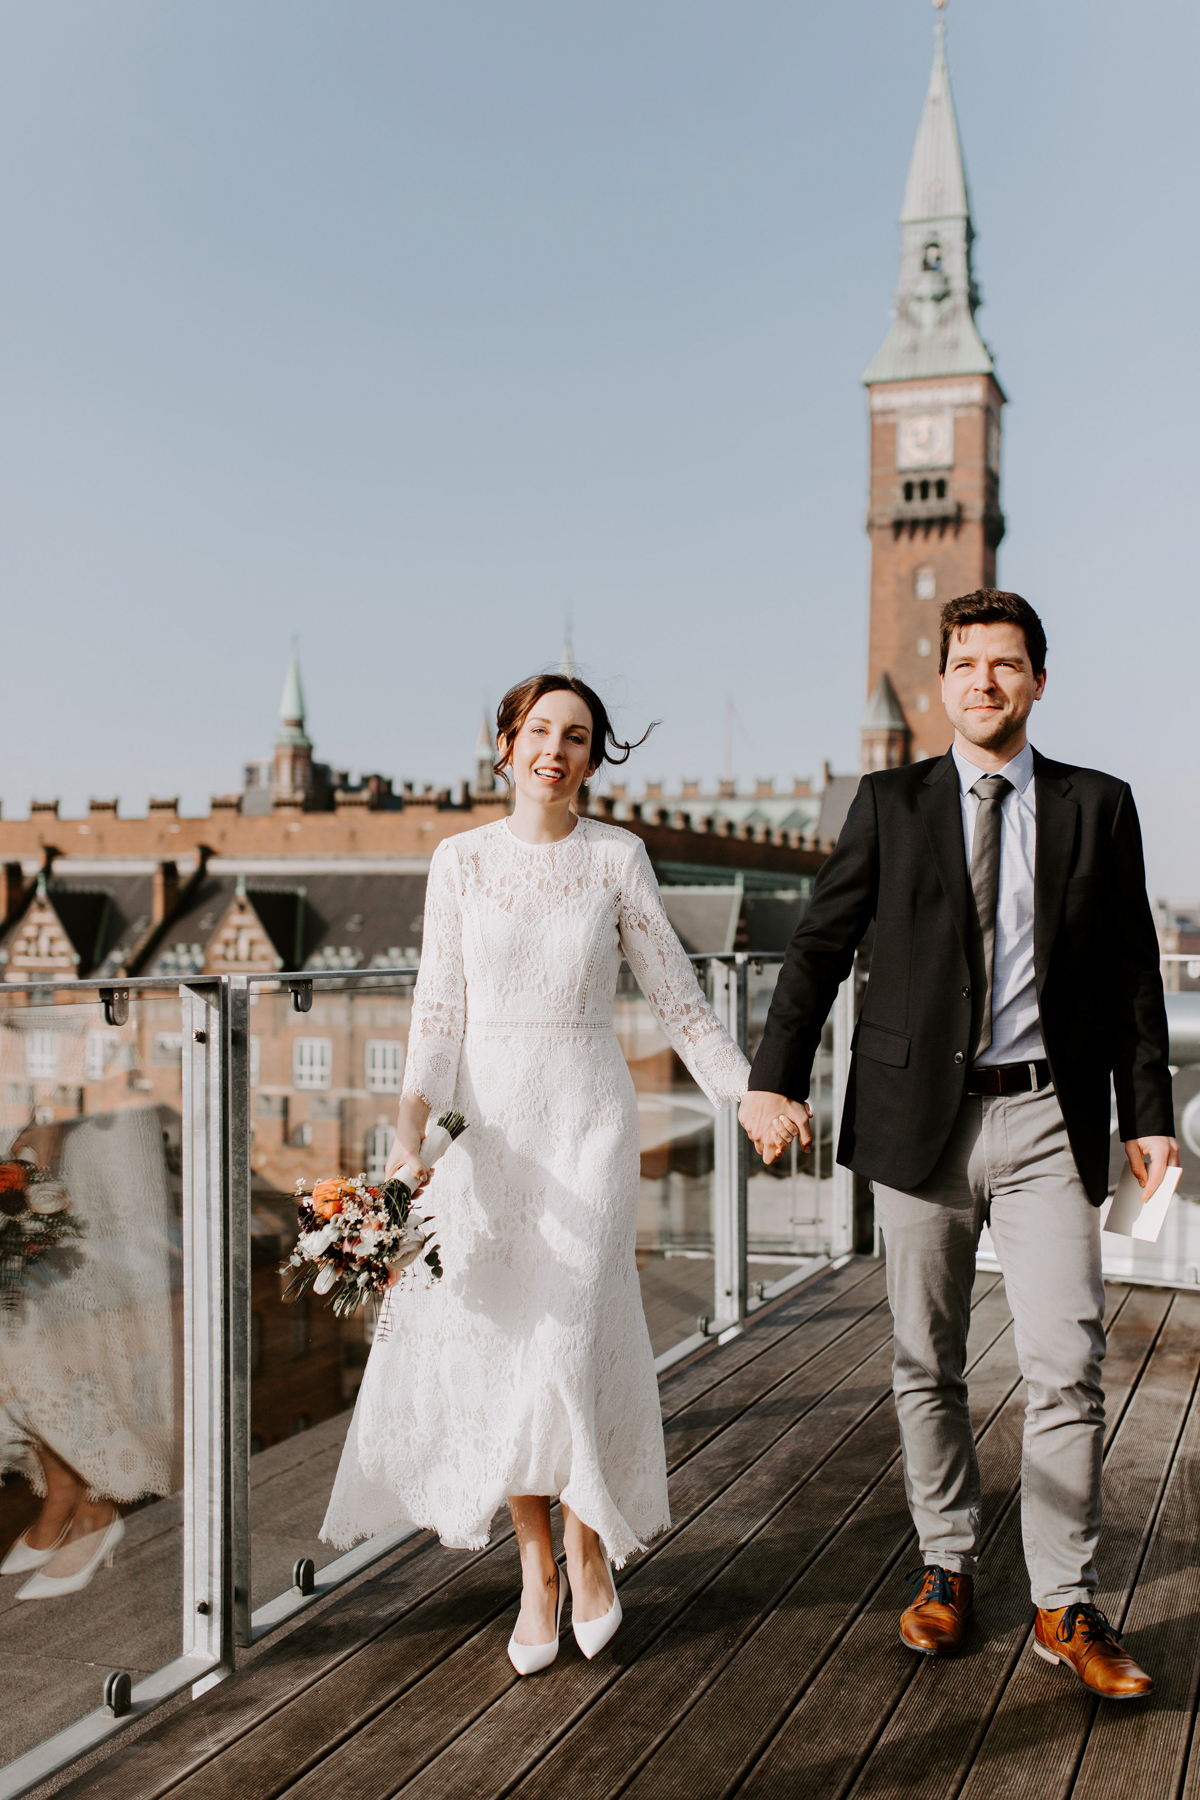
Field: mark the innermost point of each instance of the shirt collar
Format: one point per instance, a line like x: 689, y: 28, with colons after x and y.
x: 1019, y: 771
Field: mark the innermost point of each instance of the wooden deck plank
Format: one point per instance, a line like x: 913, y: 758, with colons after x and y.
x: 228, y: 1714
x: 712, y: 1747
x: 1161, y: 1631
x: 1036, y: 1738
x: 725, y: 1460
x: 928, y: 1743
x: 733, y: 1482
x: 276, y: 1749
x: 598, y: 1753
x: 679, y: 1386
x: 655, y: 1592
x: 854, y: 1689
x: 878, y: 1653
x: 759, y: 1652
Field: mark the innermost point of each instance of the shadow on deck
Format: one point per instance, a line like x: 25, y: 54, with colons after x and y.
x: 759, y: 1654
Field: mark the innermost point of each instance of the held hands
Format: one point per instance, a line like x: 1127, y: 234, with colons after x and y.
x: 771, y: 1121
x: 1150, y: 1158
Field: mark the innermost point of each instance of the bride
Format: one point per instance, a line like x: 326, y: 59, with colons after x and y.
x: 527, y: 1372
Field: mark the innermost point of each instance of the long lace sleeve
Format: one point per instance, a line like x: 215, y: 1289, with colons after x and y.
x: 439, y: 1002
x: 668, y: 980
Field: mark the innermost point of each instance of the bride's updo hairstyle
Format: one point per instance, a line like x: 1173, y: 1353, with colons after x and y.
x: 520, y: 701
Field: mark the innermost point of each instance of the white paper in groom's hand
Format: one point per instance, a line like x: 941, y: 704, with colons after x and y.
x: 1129, y: 1217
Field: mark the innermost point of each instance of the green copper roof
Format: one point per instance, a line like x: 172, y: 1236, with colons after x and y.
x: 291, y: 706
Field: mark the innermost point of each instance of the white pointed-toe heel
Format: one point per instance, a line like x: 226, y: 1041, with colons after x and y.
x: 592, y: 1634
x: 22, y: 1557
x: 528, y: 1659
x: 50, y: 1587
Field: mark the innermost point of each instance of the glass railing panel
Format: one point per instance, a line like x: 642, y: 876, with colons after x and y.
x: 675, y: 1194
x: 1175, y: 1258
x: 789, y: 1204
x: 325, y: 1085
x: 91, y: 1353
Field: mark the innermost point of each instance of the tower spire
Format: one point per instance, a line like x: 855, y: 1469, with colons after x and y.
x: 293, y: 746
x: 566, y: 664
x: 291, y: 704
x: 933, y: 330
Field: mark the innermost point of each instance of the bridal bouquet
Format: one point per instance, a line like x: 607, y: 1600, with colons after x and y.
x: 35, y: 1219
x: 355, y: 1234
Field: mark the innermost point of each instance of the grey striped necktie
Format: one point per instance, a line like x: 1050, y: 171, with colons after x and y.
x: 985, y: 885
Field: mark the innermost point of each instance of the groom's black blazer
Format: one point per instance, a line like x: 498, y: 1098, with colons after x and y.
x: 901, y: 862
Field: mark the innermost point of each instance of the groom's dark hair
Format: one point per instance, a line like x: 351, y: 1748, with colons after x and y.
x: 992, y: 606
x: 520, y: 701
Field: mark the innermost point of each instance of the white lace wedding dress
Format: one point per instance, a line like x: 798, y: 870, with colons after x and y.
x: 528, y: 1370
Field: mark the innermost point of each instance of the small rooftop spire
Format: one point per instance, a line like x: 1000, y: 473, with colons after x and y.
x: 566, y: 664
x: 483, y: 743
x: 291, y: 706
x: 884, y: 711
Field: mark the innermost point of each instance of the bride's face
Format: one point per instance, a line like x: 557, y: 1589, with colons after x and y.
x: 552, y: 752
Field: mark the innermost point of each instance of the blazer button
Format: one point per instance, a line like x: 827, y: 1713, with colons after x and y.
x: 966, y: 993
x: 959, y: 1057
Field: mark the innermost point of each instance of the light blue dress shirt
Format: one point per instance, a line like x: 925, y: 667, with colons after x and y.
x: 1016, y: 1025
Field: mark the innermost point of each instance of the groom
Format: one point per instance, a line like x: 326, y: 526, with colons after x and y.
x: 1014, y: 970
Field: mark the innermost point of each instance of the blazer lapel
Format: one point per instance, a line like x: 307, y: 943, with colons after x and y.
x: 940, y: 802
x: 1057, y: 818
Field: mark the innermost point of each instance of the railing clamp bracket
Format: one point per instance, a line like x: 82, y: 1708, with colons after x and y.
x: 118, y: 1693
x: 115, y: 1002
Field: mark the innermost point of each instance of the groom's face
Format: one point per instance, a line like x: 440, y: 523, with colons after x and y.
x: 989, y: 686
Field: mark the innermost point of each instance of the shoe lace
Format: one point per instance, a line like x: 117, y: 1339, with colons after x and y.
x: 931, y: 1582
x: 1096, y: 1628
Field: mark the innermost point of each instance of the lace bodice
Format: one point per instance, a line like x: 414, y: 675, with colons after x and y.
x: 532, y: 935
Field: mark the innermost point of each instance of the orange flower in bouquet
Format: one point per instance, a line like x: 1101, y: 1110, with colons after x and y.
x: 330, y: 1195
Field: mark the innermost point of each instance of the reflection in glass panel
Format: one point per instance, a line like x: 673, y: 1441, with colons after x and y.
x: 324, y: 1103
x: 90, y: 1353
x: 790, y: 1203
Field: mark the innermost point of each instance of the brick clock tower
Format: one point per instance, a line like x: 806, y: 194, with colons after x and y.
x: 934, y: 518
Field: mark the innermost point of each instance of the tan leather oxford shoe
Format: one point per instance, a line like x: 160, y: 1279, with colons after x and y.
x: 935, y: 1619
x: 1082, y: 1638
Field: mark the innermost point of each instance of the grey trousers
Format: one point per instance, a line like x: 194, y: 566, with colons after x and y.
x: 1007, y: 1164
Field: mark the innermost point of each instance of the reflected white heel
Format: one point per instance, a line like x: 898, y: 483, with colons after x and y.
x: 49, y: 1587
x: 528, y: 1659
x: 592, y: 1634
x: 22, y: 1556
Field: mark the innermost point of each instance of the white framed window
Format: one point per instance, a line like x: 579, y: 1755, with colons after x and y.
x: 379, y: 1146
x: 99, y: 1049
x: 385, y: 1065
x: 167, y: 1049
x: 312, y: 1062
x: 255, y: 1060
x: 42, y: 1053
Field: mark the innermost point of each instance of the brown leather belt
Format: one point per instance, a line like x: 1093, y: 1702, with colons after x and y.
x: 1008, y: 1078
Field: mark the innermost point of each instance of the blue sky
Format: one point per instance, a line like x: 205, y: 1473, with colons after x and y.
x: 410, y: 328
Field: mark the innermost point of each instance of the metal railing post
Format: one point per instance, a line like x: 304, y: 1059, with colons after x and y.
x: 237, y: 1138
x: 207, y: 1569
x: 842, y: 1220
x: 731, y: 1167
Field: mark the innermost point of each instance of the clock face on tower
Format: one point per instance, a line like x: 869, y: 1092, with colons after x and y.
x: 925, y: 440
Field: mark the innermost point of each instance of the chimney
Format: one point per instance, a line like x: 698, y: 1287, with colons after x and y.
x: 12, y: 890
x: 165, y: 892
